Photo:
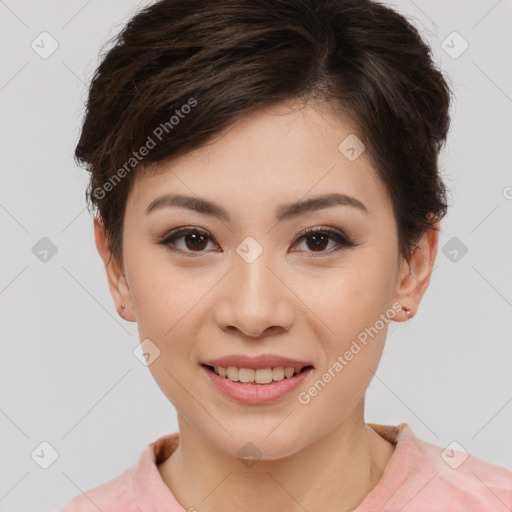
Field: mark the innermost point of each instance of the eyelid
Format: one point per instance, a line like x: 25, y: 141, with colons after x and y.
x: 324, y: 229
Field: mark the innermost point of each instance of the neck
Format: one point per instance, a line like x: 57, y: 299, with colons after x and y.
x: 335, y: 472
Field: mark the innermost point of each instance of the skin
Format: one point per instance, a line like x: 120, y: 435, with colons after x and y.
x: 291, y: 301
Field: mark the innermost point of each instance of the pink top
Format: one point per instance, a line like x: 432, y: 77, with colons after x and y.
x: 419, y: 476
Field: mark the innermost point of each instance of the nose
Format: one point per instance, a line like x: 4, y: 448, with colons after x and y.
x: 254, y: 300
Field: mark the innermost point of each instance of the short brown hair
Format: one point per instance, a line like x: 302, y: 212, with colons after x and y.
x: 193, y: 67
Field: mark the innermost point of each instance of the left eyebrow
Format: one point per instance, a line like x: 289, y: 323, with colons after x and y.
x: 283, y: 212
x: 288, y: 211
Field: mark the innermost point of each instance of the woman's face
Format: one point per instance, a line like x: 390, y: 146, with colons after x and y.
x: 247, y: 283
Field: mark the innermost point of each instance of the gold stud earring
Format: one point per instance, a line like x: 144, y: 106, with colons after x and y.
x: 122, y: 306
x: 407, y: 311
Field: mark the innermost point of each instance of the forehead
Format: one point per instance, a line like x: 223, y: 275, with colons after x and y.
x: 287, y: 151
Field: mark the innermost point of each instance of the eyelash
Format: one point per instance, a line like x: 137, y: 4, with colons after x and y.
x: 342, y: 241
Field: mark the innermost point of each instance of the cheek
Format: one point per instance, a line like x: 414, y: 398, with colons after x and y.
x: 165, y: 300
x: 353, y: 334
x: 167, y: 306
x: 350, y: 298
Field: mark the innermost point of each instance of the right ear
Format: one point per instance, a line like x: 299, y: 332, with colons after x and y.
x: 115, y: 274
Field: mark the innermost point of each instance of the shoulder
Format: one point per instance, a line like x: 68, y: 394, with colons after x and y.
x: 476, y: 483
x: 140, y: 487
x: 421, y: 476
x: 454, y: 479
x: 110, y: 496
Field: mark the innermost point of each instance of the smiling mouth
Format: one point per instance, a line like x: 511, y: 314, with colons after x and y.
x: 260, y: 376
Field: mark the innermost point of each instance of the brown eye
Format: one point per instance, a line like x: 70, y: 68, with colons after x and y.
x: 194, y: 240
x: 317, y: 240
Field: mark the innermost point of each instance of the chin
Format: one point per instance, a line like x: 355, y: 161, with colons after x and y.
x: 261, y: 441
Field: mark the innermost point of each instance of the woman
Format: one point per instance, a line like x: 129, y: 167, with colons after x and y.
x: 267, y: 200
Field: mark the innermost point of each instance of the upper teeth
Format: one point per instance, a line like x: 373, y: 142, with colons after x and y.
x: 260, y: 376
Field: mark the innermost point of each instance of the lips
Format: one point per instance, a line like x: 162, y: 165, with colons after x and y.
x: 250, y: 393
x: 257, y: 362
x: 256, y: 380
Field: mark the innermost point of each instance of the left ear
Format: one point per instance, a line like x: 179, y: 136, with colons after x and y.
x: 414, y: 276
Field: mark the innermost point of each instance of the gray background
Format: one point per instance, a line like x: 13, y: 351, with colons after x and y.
x: 67, y: 372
